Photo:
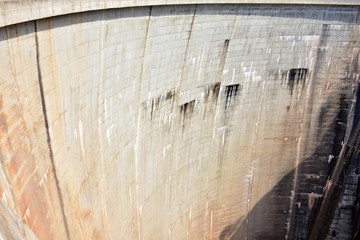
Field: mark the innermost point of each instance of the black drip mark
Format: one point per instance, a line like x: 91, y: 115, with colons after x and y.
x: 154, y: 105
x: 212, y: 90
x: 231, y: 91
x: 170, y: 94
x: 224, y: 54
x: 155, y: 101
x: 295, y: 77
x: 226, y: 45
x: 187, y: 108
x: 216, y: 90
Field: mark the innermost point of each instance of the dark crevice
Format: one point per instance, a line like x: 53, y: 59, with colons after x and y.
x: 43, y: 105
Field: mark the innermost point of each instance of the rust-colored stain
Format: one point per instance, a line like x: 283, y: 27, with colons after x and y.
x: 18, y: 159
x: 1, y: 101
x: 3, y: 125
x: 96, y: 234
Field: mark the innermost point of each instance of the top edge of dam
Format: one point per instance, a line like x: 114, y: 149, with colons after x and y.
x: 18, y: 11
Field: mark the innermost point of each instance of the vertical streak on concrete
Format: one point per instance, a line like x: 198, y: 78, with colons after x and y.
x: 252, y: 169
x: 321, y: 41
x: 99, y: 120
x: 136, y: 147
x: 43, y: 105
x: 219, y: 78
x: 186, y: 52
x: 299, y: 147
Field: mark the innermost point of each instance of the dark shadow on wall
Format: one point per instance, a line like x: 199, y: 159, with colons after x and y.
x: 275, y: 216
x: 270, y: 217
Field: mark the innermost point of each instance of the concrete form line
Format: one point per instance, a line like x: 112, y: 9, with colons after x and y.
x: 43, y: 106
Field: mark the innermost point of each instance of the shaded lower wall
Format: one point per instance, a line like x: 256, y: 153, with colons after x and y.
x: 175, y: 122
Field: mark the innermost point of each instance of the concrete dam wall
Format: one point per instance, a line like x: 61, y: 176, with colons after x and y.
x: 174, y: 121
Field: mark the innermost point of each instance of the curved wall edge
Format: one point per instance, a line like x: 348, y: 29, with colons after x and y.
x: 15, y: 11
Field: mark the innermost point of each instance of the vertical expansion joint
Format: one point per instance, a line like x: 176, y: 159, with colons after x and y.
x: 43, y: 105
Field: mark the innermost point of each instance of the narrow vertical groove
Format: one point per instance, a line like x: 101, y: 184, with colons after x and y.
x: 43, y: 105
x: 186, y: 49
x: 136, y: 147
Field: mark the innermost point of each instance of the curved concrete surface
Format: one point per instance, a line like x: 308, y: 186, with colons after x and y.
x: 175, y: 122
x: 17, y: 11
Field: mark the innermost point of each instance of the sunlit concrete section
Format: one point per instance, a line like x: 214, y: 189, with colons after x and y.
x: 173, y: 121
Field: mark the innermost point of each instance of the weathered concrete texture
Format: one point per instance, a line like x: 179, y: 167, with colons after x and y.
x: 26, y: 177
x: 175, y: 122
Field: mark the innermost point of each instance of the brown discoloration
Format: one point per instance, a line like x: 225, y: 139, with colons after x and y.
x: 18, y: 158
x: 96, y: 234
x: 1, y: 101
x: 313, y: 198
x: 3, y: 124
x: 25, y: 156
x: 86, y: 214
x: 35, y: 215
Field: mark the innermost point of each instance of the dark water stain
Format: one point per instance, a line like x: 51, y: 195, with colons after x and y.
x: 231, y: 91
x: 296, y: 76
x: 212, y: 91
x: 223, y: 57
x: 216, y: 90
x: 187, y: 108
x: 156, y: 101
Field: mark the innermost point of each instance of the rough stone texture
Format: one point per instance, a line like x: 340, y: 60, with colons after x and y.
x: 175, y: 122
